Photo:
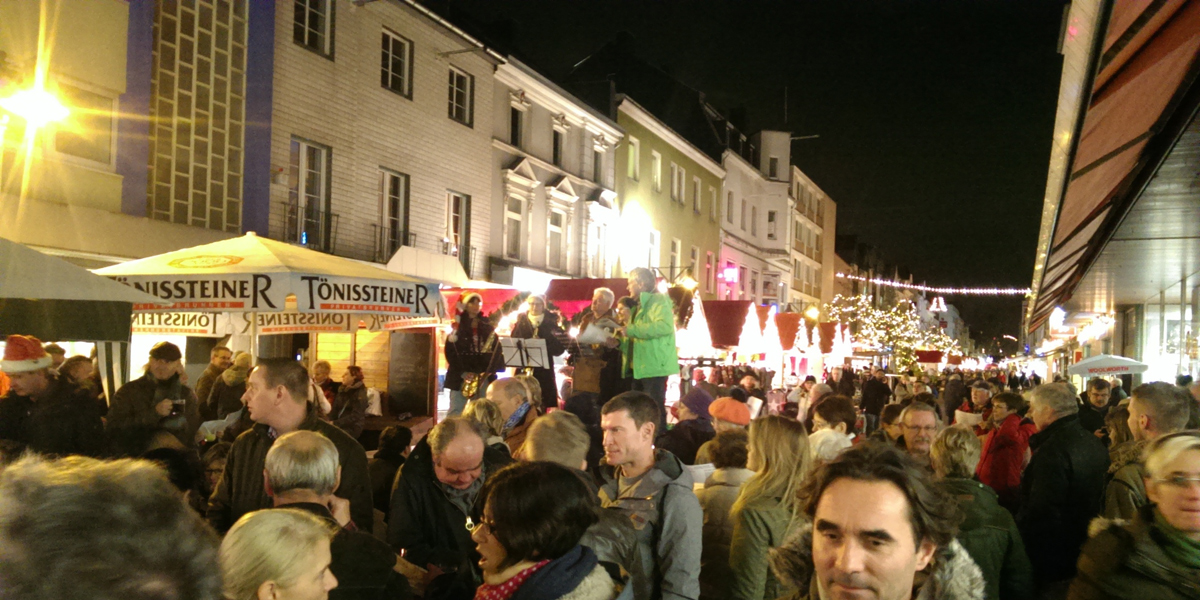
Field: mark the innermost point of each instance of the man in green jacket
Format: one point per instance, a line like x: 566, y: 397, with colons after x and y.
x: 277, y: 396
x: 651, y: 334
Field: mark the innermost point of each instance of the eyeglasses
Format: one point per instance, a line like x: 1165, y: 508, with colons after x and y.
x: 925, y: 429
x: 1180, y: 481
x: 474, y: 527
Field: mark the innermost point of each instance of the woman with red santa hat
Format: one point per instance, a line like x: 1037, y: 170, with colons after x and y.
x: 42, y: 411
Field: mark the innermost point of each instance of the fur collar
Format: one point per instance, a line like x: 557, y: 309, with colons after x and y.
x: 952, y: 576
x: 596, y: 586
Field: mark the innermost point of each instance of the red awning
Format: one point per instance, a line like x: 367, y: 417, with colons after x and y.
x: 929, y: 356
x: 573, y: 295
x: 725, y: 320
x: 493, y: 298
x: 789, y: 325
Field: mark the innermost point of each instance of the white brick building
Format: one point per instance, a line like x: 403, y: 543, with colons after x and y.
x: 380, y: 132
x: 552, y: 182
x: 754, y: 232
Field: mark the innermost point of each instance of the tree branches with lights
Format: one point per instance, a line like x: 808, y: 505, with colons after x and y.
x: 896, y: 330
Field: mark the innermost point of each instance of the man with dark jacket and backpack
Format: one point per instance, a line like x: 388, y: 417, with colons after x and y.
x: 434, y: 496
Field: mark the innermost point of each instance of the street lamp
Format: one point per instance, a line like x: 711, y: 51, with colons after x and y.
x: 37, y: 107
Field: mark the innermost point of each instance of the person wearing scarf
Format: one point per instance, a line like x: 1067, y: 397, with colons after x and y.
x: 533, y: 516
x: 1156, y: 554
x: 151, y: 410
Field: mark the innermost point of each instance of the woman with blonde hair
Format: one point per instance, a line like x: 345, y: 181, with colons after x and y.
x: 768, y: 507
x: 277, y: 554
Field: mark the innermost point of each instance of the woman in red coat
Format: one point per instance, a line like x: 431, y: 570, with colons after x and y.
x: 1004, y: 449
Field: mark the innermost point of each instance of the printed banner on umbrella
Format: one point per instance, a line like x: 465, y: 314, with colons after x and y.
x: 289, y: 322
x: 219, y: 293
x: 177, y: 323
x: 324, y: 294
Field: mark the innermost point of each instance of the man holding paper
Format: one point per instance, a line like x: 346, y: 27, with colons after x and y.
x: 595, y: 356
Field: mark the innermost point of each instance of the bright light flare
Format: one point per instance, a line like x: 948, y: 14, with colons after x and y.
x: 37, y: 106
x: 813, y: 313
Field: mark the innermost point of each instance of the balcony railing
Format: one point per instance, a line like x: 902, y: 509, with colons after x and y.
x: 309, y: 226
x: 466, y: 255
x: 389, y: 239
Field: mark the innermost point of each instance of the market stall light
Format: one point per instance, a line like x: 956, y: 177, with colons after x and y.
x: 813, y: 313
x: 939, y: 290
x: 36, y: 106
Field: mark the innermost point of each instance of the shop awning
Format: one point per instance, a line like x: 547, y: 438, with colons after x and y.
x: 574, y: 295
x: 725, y: 320
x: 1107, y: 364
x: 428, y: 266
x: 1129, y: 93
x: 52, y: 299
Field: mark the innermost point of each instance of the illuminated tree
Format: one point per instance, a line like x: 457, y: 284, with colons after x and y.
x: 896, y: 331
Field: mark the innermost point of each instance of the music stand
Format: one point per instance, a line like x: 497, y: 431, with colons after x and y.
x: 522, y: 353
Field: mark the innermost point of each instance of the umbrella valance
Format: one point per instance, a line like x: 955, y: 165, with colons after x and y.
x: 1107, y: 364
x: 254, y: 274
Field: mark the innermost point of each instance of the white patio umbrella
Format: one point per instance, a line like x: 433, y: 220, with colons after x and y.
x: 1107, y: 364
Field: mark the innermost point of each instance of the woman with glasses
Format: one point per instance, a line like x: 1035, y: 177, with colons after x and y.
x: 1004, y: 450
x: 1157, y: 554
x: 533, y: 516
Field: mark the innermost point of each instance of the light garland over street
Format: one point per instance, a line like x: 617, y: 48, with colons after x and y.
x: 939, y: 290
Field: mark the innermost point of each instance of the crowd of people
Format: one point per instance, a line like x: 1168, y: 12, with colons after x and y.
x: 958, y: 485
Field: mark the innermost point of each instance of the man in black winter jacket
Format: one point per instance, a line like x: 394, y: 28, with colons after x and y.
x: 1062, y: 488
x: 277, y: 400
x: 433, y: 499
x: 43, y: 411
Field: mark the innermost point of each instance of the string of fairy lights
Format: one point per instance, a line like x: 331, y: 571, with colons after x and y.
x: 964, y: 291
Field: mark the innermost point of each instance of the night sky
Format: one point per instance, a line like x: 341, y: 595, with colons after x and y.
x: 934, y: 117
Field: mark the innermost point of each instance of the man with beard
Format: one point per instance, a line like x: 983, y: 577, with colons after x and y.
x: 151, y: 410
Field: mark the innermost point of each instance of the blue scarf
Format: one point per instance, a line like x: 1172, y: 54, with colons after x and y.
x: 515, y: 419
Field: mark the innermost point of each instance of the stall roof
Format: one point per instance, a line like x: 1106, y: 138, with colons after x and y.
x: 574, y: 295
x: 429, y: 266
x: 1125, y: 146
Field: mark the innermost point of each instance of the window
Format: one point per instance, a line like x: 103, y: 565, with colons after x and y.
x: 598, y: 251
x: 89, y: 135
x: 515, y: 116
x: 656, y: 170
x: 712, y: 204
x: 729, y: 207
x: 710, y: 275
x: 458, y: 228
x: 676, y: 192
x: 742, y: 281
x: 773, y: 169
x: 393, y: 211
x: 598, y: 166
x: 311, y: 25
x: 513, y: 227
x: 308, y: 196
x: 557, y: 151
x: 770, y: 224
x: 556, y: 239
x: 753, y: 220
x: 652, y: 251
x: 462, y: 97
x: 635, y: 153
x: 753, y: 284
x: 396, y: 69
x: 743, y: 214
x: 696, y: 195
x: 694, y: 265
x: 673, y: 263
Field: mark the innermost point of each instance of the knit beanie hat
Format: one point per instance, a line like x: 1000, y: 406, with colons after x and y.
x: 731, y: 411
x: 24, y: 353
x: 698, y: 402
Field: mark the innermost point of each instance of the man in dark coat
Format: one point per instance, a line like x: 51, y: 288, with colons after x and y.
x: 277, y: 398
x: 220, y: 358
x: 541, y: 324
x: 1062, y: 488
x: 302, y: 472
x: 1094, y: 405
x: 43, y: 411
x: 875, y: 394
x: 154, y: 404
x: 953, y: 396
x: 693, y: 429
x: 434, y: 496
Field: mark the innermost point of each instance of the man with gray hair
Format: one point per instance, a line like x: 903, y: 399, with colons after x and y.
x: 301, y: 473
x: 1155, y: 410
x: 434, y: 496
x: 651, y: 335
x: 597, y: 367
x: 1062, y: 488
x: 919, y: 423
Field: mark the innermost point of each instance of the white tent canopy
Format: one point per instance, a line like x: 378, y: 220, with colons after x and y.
x: 254, y: 274
x: 1107, y: 364
x: 28, y: 274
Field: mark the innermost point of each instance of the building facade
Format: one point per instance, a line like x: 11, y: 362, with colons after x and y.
x: 754, y: 240
x: 553, y: 185
x: 76, y: 187
x: 814, y: 262
x: 669, y: 193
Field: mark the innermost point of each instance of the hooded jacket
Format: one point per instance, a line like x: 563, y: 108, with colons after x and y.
x: 225, y: 396
x: 761, y: 524
x: 204, y: 386
x: 989, y: 535
x: 349, y: 411
x: 1126, y: 491
x: 1123, y: 560
x: 426, y: 525
x: 1062, y: 490
x: 240, y: 489
x: 720, y: 492
x: 669, y: 522
x: 651, y: 336
x: 952, y: 575
x: 1002, y: 459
